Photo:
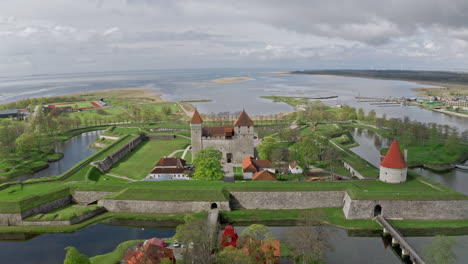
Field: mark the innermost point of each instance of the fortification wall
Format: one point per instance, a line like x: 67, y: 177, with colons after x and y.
x: 133, y: 206
x: 72, y: 221
x: 399, y: 209
x: 10, y: 219
x: 88, y: 196
x: 286, y: 200
x: 109, y: 161
x: 353, y: 171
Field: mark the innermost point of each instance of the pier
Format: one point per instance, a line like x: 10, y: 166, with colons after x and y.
x: 398, y: 239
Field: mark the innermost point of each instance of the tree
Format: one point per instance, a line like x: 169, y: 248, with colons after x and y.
x: 452, y: 143
x: 371, y: 116
x: 360, y: 114
x: 440, y: 250
x: 208, y: 166
x: 253, y: 238
x: 266, y: 148
x: 199, y: 238
x: 73, y: 256
x: 233, y: 255
x: 309, y: 242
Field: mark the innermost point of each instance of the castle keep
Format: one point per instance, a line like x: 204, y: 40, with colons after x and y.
x: 235, y: 142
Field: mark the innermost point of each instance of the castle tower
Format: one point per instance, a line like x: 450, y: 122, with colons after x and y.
x: 196, y: 129
x: 244, y: 130
x: 393, y: 167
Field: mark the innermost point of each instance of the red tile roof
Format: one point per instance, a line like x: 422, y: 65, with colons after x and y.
x: 196, y: 118
x: 171, y: 162
x: 394, y: 159
x: 264, y: 175
x: 250, y: 164
x: 244, y: 120
x: 218, y: 131
x: 262, y: 163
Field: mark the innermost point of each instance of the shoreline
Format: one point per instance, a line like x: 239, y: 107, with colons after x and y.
x: 420, y: 90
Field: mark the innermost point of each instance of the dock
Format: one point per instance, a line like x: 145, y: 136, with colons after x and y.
x: 398, y: 239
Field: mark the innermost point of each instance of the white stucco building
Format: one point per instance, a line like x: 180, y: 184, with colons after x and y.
x: 294, y: 168
x: 168, y: 169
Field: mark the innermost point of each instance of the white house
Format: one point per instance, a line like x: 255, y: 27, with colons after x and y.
x: 294, y: 168
x: 168, y: 169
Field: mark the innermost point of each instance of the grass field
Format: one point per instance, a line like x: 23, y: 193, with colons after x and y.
x: 139, y: 163
x: 64, y: 213
x: 116, y: 255
x: 75, y: 105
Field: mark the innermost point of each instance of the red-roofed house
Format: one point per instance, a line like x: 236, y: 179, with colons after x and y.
x: 250, y: 166
x: 153, y: 251
x: 264, y: 175
x: 393, y: 167
x: 235, y: 141
x: 168, y: 169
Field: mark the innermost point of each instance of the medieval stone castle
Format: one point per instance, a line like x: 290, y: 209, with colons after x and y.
x: 235, y: 142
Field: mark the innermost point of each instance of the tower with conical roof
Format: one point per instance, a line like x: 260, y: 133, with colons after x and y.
x: 196, y: 129
x: 393, y: 167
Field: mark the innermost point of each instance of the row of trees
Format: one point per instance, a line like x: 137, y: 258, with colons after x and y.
x: 307, y: 243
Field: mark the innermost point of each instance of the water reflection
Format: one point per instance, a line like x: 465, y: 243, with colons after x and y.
x: 75, y: 150
x: 369, y: 147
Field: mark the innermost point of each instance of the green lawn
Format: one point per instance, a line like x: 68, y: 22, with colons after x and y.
x: 63, y: 213
x: 110, y: 113
x: 139, y: 163
x: 75, y: 105
x: 116, y: 255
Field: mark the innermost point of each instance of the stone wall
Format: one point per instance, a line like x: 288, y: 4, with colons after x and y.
x: 134, y: 206
x: 47, y: 207
x: 399, y: 209
x: 353, y: 172
x: 72, y: 221
x: 286, y: 200
x: 87, y: 197
x: 106, y: 164
x: 11, y: 219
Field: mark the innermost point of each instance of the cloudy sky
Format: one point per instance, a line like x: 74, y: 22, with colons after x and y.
x: 52, y: 36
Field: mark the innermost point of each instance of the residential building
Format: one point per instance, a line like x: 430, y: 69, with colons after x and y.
x: 168, y: 169
x: 294, y: 168
x: 250, y: 166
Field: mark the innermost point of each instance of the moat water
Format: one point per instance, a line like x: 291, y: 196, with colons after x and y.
x: 369, y: 147
x: 74, y: 149
x: 354, y: 247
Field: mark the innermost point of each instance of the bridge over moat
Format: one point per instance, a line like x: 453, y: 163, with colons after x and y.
x: 397, y: 238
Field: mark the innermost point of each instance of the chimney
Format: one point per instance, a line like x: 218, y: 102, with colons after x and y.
x: 406, y: 155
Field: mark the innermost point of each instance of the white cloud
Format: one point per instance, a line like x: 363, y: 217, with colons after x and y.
x: 68, y: 35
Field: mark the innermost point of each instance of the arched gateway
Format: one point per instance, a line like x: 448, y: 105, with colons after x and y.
x: 377, y: 210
